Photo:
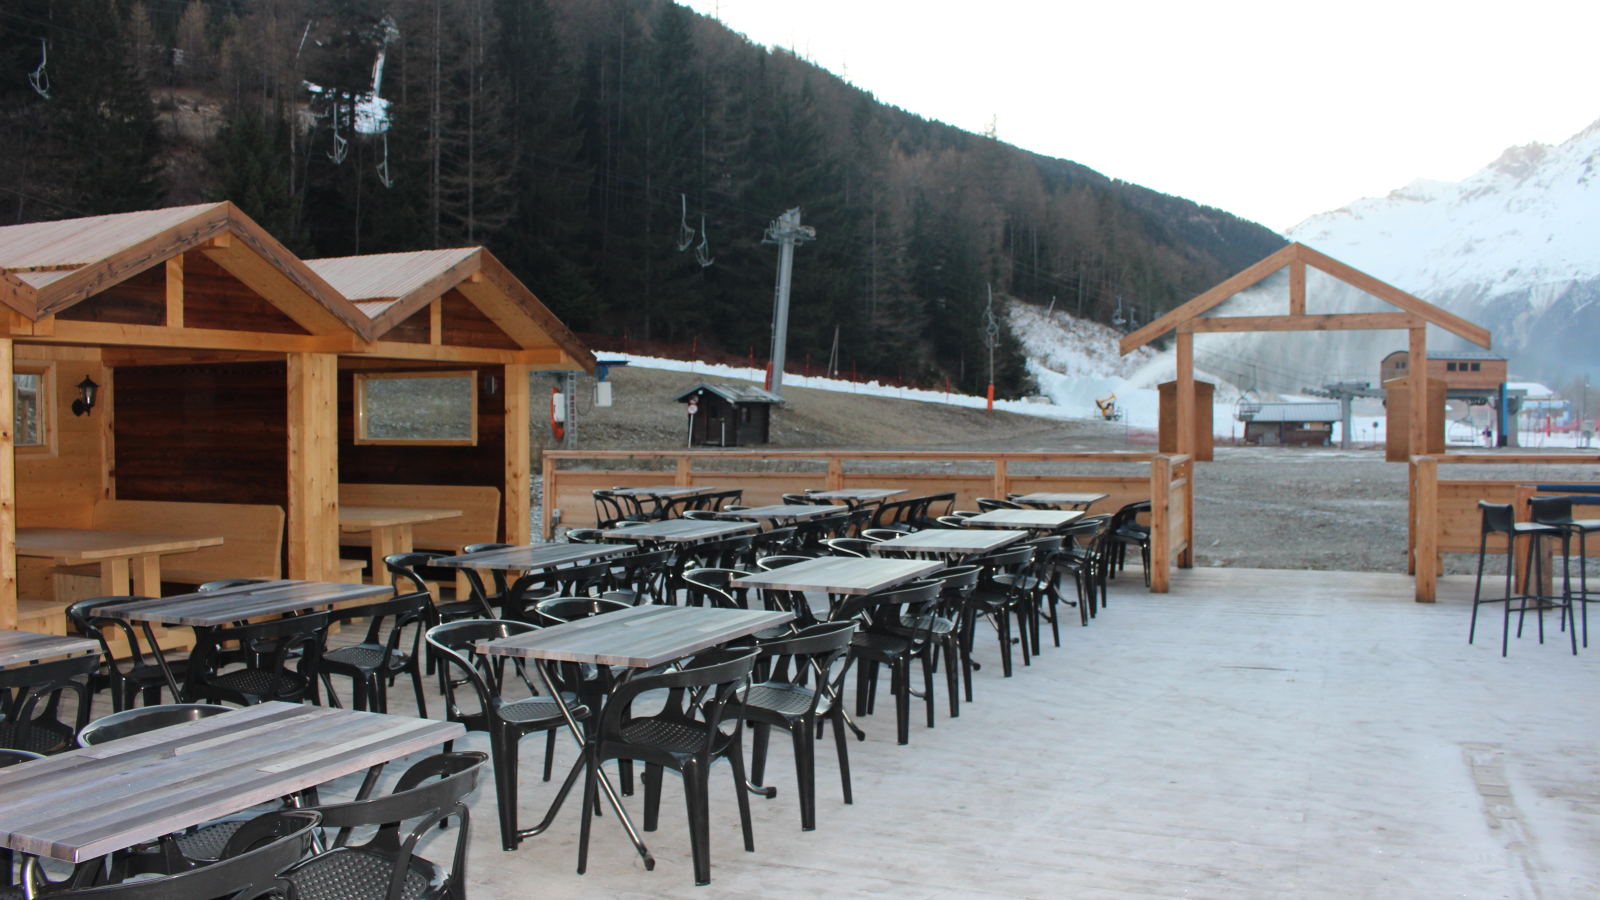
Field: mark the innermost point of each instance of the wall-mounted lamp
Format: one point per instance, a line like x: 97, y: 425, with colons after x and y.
x: 490, y: 385
x: 87, y: 390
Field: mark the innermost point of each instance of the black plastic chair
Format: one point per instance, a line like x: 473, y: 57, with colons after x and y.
x: 250, y: 866
x: 885, y: 640
x: 999, y: 596
x: 130, y: 722
x: 776, y: 541
x: 860, y: 547
x: 270, y: 678
x: 405, y: 567
x: 372, y: 664
x: 727, y: 553
x: 505, y: 721
x: 1500, y: 518
x: 12, y: 757
x: 609, y: 509
x: 481, y: 593
x: 1124, y: 532
x: 642, y: 576
x: 800, y: 691
x: 387, y: 862
x: 713, y: 588
x: 558, y: 610
x: 139, y: 677
x: 686, y: 736
x: 990, y: 504
x: 945, y: 624
x: 22, y: 687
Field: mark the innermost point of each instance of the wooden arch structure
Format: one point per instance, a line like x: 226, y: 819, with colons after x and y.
x: 1412, y: 314
x: 225, y: 363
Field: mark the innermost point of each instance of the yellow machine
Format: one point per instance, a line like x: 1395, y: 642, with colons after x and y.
x: 1108, y: 408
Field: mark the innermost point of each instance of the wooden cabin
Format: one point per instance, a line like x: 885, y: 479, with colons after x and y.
x: 1478, y: 372
x: 729, y: 415
x: 226, y: 375
x: 1291, y: 424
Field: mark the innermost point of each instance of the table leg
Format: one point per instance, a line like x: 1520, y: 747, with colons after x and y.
x: 114, y: 577
x: 402, y: 539
x: 147, y: 575
x: 605, y: 783
x: 383, y: 544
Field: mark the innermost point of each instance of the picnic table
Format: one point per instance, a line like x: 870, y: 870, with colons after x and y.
x: 86, y: 803
x: 391, y: 528
x: 119, y: 553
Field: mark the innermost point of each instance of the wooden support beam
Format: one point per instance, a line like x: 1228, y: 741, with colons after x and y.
x: 1427, y: 526
x: 547, y: 471
x: 1339, y: 322
x: 1417, y: 364
x: 1002, y: 480
x: 537, y: 358
x: 1356, y: 278
x: 1160, y: 526
x: 110, y: 334
x: 175, y: 292
x: 436, y: 322
x: 1297, y: 287
x: 835, y: 475
x: 314, y: 467
x: 685, y: 476
x: 105, y: 407
x: 518, y: 494
x: 8, y: 491
x: 1208, y: 299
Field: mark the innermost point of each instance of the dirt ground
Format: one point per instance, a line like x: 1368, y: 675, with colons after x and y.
x: 1275, y: 508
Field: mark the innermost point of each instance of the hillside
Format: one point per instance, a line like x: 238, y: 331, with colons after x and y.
x: 623, y: 156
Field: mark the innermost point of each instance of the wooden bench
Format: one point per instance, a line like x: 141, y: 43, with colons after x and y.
x: 479, y: 522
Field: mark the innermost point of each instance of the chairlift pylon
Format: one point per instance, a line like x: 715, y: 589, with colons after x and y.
x: 685, y: 233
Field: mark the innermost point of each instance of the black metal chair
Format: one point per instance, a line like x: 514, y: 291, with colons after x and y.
x: 1557, y: 512
x: 139, y: 677
x: 375, y: 662
x: 800, y: 691
x: 250, y: 866
x: 268, y: 678
x: 130, y: 722
x: 685, y: 736
x: 609, y: 509
x: 887, y: 639
x: 406, y: 567
x: 990, y: 504
x: 1124, y: 532
x: 386, y: 867
x: 505, y: 721
x: 12, y: 757
x: 21, y: 689
x: 1500, y: 518
x: 859, y: 547
x: 558, y: 610
x: 1000, y: 595
x: 945, y: 625
x: 490, y: 599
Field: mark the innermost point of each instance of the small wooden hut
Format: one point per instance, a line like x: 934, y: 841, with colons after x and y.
x: 729, y: 415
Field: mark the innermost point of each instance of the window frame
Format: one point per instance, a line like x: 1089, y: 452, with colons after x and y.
x: 48, y: 410
x: 359, y: 398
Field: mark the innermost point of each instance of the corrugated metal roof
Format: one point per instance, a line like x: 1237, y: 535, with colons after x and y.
x: 1481, y: 355
x: 386, y: 276
x: 79, y: 242
x: 1296, y: 412
x: 733, y: 393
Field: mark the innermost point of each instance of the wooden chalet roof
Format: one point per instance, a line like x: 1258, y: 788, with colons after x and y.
x: 391, y: 288
x: 47, y: 267
x: 1414, y: 313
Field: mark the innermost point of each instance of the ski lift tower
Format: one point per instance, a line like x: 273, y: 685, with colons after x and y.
x: 785, y: 231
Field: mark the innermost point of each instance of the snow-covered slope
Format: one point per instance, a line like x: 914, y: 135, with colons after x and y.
x: 1515, y: 247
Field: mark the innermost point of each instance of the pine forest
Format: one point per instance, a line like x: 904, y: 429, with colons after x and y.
x: 623, y: 157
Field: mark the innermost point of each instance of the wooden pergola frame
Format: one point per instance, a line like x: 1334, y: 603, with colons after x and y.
x: 1414, y: 316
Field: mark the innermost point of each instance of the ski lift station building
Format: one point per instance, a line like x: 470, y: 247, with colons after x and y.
x: 729, y: 415
x: 1291, y: 424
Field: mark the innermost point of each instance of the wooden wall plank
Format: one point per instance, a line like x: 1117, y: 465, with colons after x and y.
x: 464, y: 324
x: 215, y: 298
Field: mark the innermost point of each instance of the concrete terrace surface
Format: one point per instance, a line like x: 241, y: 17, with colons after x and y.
x: 1253, y: 734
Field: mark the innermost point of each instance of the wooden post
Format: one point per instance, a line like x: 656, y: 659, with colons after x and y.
x: 1002, y: 480
x: 1186, y: 560
x: 105, y: 406
x: 314, y: 467
x: 1187, y: 445
x: 547, y: 468
x: 8, y: 491
x: 685, y: 477
x: 835, y: 480
x: 175, y: 292
x: 1411, y: 516
x: 1160, y: 532
x: 1427, y: 527
x: 1417, y: 363
x: 1297, y: 287
x: 519, y: 456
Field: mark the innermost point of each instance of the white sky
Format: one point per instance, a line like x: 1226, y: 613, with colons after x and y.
x: 1274, y: 111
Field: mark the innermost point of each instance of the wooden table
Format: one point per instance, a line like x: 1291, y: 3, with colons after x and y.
x: 22, y: 647
x: 640, y: 637
x: 951, y: 541
x: 793, y: 512
x: 1048, y: 498
x: 1035, y: 519
x: 680, y: 531
x: 390, y: 527
x: 528, y: 557
x: 119, y: 553
x: 840, y: 575
x: 85, y: 804
x: 857, y: 496
x: 664, y: 490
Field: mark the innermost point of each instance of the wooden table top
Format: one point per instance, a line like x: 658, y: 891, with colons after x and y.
x: 532, y: 556
x: 1024, y: 518
x: 248, y: 601
x: 841, y: 575
x: 640, y: 637
x: 20, y: 647
x: 782, y: 511
x: 93, y: 544
x: 365, y: 518
x: 86, y: 803
x: 952, y: 540
x: 681, y: 531
x: 664, y: 490
x: 1062, y: 499
x: 860, y: 494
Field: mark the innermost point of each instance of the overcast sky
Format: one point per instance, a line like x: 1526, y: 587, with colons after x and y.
x: 1271, y: 110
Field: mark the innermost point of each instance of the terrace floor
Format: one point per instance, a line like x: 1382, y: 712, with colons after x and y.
x: 1254, y: 733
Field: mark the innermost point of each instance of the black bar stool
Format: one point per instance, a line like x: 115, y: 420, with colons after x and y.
x: 1499, y: 518
x: 1557, y: 512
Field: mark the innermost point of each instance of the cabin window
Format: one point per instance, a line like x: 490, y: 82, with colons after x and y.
x: 417, y: 408
x: 1475, y: 366
x: 1449, y: 367
x: 33, y: 423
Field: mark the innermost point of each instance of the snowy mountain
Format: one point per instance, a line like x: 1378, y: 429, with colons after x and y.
x: 1515, y: 247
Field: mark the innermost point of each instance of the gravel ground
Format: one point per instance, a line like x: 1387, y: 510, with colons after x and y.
x: 1255, y: 507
